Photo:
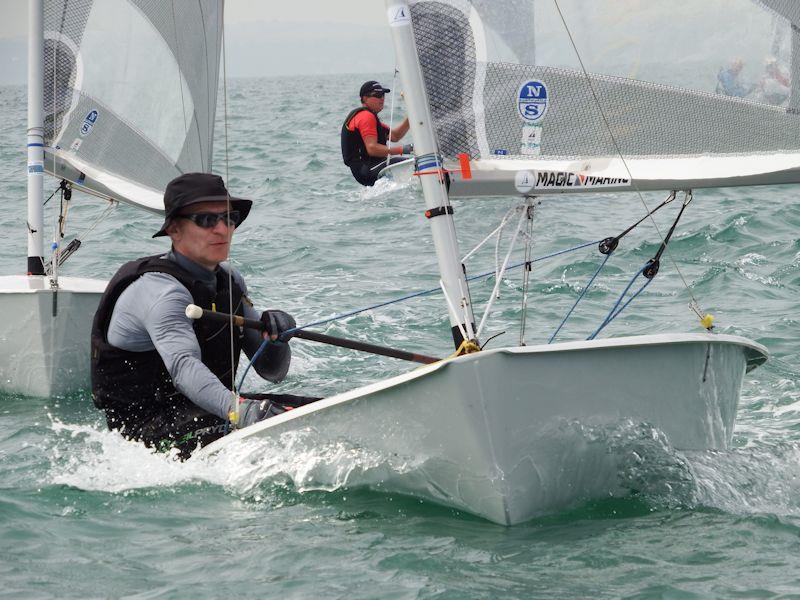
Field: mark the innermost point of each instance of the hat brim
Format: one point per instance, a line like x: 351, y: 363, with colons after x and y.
x: 372, y: 91
x: 240, y: 204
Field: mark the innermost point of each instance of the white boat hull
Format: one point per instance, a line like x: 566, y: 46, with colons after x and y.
x: 493, y: 433
x: 41, y: 353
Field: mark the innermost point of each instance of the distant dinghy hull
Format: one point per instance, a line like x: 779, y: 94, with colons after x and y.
x: 43, y: 354
x: 497, y: 434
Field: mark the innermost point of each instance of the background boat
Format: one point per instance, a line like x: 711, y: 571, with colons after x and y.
x: 121, y: 99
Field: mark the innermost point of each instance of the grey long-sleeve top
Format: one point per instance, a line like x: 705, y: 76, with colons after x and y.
x: 150, y: 314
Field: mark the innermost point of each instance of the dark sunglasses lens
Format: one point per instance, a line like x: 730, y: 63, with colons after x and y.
x: 377, y: 94
x: 209, y: 220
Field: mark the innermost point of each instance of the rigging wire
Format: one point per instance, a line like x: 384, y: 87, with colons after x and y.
x: 180, y: 79
x: 233, y: 309
x: 391, y: 119
x: 76, y: 242
x: 617, y: 147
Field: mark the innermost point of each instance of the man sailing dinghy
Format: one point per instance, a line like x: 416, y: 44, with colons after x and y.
x: 365, y: 139
x: 160, y: 377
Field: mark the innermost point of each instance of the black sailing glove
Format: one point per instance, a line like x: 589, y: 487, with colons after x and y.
x: 276, y: 322
x: 253, y: 411
x: 408, y: 149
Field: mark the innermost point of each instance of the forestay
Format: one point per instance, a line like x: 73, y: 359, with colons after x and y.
x: 678, y: 94
x: 130, y: 93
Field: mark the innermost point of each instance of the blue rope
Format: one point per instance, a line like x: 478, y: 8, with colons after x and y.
x: 256, y: 355
x: 431, y: 291
x: 612, y: 314
x: 583, y: 293
x: 266, y: 342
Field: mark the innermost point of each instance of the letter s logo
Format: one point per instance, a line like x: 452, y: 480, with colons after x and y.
x: 532, y: 100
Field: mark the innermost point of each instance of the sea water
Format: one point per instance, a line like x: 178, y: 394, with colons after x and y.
x: 86, y: 514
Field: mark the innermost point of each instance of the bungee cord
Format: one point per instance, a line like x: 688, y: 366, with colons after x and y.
x: 526, y: 273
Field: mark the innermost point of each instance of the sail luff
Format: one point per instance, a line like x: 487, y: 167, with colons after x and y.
x: 434, y: 190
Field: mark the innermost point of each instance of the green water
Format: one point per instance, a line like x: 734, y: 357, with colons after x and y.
x: 86, y: 514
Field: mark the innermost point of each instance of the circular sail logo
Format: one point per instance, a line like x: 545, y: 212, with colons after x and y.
x: 532, y: 100
x: 525, y: 181
x: 88, y: 122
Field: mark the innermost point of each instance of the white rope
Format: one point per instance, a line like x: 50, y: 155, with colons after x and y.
x: 501, y: 273
x: 503, y: 223
x: 453, y: 311
x: 499, y: 241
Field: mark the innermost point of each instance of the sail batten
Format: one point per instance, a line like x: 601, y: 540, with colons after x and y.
x: 656, y: 83
x: 130, y: 92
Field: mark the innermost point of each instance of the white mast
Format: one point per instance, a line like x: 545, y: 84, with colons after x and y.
x: 436, y: 199
x: 35, y: 136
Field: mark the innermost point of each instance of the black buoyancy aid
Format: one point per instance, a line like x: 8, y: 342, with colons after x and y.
x: 354, y: 151
x: 135, y: 388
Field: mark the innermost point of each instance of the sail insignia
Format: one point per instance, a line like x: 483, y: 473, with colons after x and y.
x: 130, y: 93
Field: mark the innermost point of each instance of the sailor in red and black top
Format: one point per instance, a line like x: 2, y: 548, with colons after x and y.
x: 365, y: 138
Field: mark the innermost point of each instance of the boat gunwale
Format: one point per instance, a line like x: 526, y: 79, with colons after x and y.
x: 756, y: 356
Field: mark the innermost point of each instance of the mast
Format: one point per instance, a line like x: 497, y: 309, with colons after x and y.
x: 35, y: 137
x: 436, y: 199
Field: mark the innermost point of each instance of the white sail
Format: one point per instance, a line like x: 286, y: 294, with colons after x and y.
x: 130, y: 93
x: 572, y: 96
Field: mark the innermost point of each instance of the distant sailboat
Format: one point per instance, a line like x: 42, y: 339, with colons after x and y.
x: 493, y: 432
x: 121, y: 99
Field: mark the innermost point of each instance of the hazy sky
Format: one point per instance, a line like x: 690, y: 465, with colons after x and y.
x: 265, y: 37
x: 361, y: 12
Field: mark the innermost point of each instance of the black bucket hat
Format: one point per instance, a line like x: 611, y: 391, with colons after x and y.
x: 191, y: 188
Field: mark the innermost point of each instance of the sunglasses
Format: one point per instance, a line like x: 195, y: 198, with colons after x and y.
x: 376, y: 95
x: 209, y: 220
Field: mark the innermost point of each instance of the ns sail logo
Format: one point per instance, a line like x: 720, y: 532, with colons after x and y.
x: 532, y: 100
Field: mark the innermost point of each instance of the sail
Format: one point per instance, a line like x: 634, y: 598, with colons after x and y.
x: 130, y: 89
x: 553, y: 96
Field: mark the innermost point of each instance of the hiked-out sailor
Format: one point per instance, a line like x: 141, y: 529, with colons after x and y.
x: 364, y: 137
x: 159, y: 377
x: 729, y: 82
